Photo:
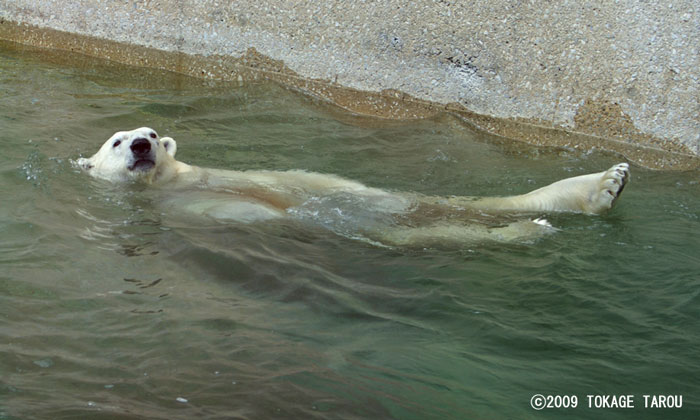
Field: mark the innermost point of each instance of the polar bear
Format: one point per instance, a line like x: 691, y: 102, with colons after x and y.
x: 389, y: 218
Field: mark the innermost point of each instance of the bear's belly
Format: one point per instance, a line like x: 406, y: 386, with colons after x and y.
x: 220, y: 207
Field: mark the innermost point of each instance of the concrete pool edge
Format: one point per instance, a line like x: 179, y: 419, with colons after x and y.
x: 639, y: 148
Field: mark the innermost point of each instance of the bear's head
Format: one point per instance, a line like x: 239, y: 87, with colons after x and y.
x: 133, y: 155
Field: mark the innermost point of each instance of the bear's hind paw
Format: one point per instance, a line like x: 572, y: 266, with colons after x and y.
x: 611, y: 184
x: 542, y: 222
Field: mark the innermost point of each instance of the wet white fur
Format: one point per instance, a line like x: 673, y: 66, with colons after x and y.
x: 248, y: 196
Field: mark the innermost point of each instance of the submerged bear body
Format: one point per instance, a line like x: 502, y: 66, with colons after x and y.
x: 391, y: 218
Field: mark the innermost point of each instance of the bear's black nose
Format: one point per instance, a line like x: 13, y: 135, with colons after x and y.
x: 140, y: 146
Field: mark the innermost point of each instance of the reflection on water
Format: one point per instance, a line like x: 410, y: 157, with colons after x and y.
x: 112, y: 309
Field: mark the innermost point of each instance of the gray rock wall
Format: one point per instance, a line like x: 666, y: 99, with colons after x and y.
x: 623, y: 70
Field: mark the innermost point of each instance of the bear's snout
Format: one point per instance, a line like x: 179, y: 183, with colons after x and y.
x: 140, y: 147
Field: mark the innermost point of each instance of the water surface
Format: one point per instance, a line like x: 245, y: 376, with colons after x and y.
x: 107, y: 310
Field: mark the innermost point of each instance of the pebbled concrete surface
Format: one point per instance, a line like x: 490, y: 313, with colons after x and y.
x: 610, y: 72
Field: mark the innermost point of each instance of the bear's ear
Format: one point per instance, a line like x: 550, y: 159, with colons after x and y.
x: 85, y: 164
x: 170, y: 145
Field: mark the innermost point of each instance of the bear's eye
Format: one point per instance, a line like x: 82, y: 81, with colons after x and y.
x: 153, y: 135
x: 117, y: 143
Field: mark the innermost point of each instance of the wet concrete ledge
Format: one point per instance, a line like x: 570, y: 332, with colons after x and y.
x: 600, y: 119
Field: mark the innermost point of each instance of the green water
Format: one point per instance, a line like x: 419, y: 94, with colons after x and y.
x: 107, y: 311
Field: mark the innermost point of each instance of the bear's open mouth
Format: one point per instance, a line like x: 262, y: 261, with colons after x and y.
x: 142, y: 165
